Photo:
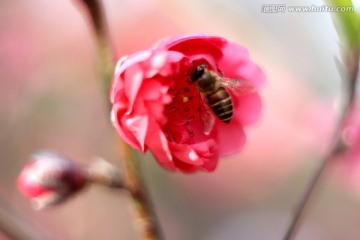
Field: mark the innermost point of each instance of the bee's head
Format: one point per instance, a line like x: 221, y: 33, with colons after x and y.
x: 198, y: 72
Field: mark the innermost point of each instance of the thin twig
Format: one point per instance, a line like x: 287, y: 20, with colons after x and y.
x: 338, y: 146
x: 148, y: 221
x: 106, y: 57
x: 149, y: 224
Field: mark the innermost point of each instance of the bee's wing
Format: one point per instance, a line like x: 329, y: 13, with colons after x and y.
x: 209, y: 121
x: 237, y: 86
x: 207, y: 116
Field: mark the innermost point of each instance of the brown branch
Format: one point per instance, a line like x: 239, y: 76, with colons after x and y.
x: 106, y: 58
x: 338, y: 147
x: 149, y: 226
x: 148, y: 222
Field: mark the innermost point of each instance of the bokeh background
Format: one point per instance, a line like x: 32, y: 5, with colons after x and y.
x: 50, y: 97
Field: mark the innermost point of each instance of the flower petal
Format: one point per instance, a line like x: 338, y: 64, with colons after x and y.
x: 138, y: 126
x: 186, y: 153
x: 247, y: 108
x: 134, y: 79
x: 197, y: 46
x: 239, y: 64
x: 231, y: 137
x: 158, y: 144
x: 120, y: 125
x: 123, y: 64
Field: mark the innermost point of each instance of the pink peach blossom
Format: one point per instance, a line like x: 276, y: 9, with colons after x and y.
x: 156, y: 107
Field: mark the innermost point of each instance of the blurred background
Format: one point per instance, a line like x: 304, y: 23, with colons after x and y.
x: 50, y: 97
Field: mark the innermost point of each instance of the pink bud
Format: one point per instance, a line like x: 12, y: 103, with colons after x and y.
x: 50, y: 178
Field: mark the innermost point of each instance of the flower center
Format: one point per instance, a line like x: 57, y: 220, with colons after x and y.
x: 185, y: 124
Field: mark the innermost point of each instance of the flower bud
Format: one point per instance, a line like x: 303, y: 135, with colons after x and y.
x: 50, y: 178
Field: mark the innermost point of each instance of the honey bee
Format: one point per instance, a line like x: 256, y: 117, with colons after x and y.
x: 215, y: 89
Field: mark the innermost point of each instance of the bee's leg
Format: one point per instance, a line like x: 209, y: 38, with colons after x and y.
x: 220, y: 72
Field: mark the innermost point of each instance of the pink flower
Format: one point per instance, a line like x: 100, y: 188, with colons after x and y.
x: 50, y: 179
x: 156, y: 106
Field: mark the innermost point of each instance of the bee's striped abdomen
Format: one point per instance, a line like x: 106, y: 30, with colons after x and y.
x: 221, y: 104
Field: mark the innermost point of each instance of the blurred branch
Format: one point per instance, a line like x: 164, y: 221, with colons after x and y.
x: 348, y: 30
x: 17, y: 227
x: 149, y: 226
x: 105, y: 59
x: 148, y: 221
